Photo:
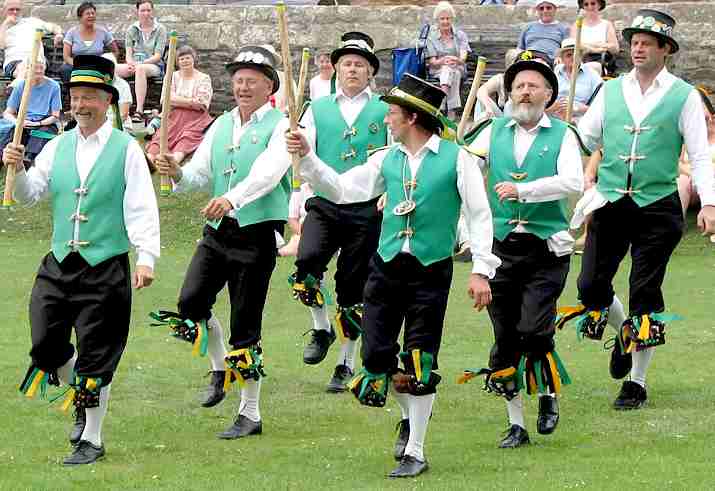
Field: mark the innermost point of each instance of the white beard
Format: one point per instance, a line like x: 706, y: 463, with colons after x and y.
x: 527, y: 113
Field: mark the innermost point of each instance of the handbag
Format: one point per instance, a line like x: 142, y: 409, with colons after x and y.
x: 410, y: 60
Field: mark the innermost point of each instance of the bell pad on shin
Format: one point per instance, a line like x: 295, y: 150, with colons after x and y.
x: 84, y: 392
x: 349, y: 321
x: 502, y: 382
x: 407, y: 383
x: 642, y: 332
x: 592, y: 324
x: 244, y: 364
x: 308, y: 291
x: 369, y: 388
x: 36, y: 380
x: 184, y: 329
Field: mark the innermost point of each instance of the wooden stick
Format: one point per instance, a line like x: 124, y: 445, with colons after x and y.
x: 165, y: 187
x: 20, y: 120
x: 288, y: 72
x: 302, y: 77
x: 574, y: 69
x: 472, y: 98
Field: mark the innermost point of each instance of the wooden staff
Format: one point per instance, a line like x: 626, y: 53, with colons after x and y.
x: 574, y: 68
x: 302, y: 77
x: 288, y: 72
x: 165, y: 187
x: 471, y: 99
x: 20, y: 120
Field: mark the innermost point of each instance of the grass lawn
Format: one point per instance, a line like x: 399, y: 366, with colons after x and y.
x: 158, y: 437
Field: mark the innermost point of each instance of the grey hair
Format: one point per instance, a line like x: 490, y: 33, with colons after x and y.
x: 443, y: 7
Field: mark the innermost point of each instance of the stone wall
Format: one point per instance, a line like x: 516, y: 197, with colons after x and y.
x: 217, y: 31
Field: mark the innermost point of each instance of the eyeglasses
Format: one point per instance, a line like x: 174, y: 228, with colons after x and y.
x: 546, y: 8
x: 588, y: 4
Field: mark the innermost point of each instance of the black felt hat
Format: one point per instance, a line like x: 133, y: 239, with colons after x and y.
x: 417, y: 95
x: 256, y: 58
x: 527, y: 61
x: 95, y: 72
x: 356, y: 43
x: 656, y: 23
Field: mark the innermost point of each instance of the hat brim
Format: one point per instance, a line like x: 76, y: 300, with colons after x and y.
x: 269, y: 72
x: 370, y: 57
x: 628, y: 33
x: 105, y: 87
x: 546, y: 72
x: 415, y: 104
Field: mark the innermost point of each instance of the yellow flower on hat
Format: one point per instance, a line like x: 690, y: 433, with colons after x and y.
x: 526, y: 56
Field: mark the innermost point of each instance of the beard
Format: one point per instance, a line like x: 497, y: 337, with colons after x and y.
x: 528, y: 112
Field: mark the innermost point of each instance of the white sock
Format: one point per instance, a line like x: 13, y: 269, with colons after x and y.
x: 65, y: 371
x: 403, y: 401
x: 347, y: 354
x: 641, y: 360
x: 420, y: 408
x: 515, y: 410
x: 250, y: 396
x: 616, y: 314
x: 320, y: 318
x: 95, y: 416
x: 217, y: 345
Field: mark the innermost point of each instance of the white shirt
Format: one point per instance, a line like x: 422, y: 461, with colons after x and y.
x: 18, y: 39
x: 568, y: 178
x: 319, y: 87
x: 141, y: 214
x: 365, y: 182
x: 296, y: 206
x: 691, y: 125
x: 350, y: 108
x: 266, y: 171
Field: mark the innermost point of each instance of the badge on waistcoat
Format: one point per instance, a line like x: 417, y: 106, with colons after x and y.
x: 404, y: 207
x: 374, y: 128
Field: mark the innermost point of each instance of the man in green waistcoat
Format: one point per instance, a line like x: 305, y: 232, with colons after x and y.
x: 534, y: 164
x: 103, y: 200
x: 641, y: 121
x: 427, y: 179
x: 342, y: 127
x: 243, y: 160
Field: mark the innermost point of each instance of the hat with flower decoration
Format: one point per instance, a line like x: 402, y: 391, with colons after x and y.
x: 656, y: 23
x: 257, y: 58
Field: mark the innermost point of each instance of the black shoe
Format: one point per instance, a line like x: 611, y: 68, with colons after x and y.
x: 84, y: 453
x: 214, y: 392
x: 242, y: 427
x: 403, y: 434
x: 316, y: 350
x: 516, y: 437
x: 548, y: 415
x: 80, y: 419
x: 409, y: 467
x: 621, y: 363
x: 341, y: 377
x: 632, y: 396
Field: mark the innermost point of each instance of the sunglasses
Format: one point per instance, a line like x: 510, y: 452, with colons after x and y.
x: 545, y: 8
x: 588, y: 4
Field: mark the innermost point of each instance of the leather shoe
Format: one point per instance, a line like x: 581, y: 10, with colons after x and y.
x: 403, y: 434
x: 214, y: 392
x: 80, y: 419
x: 84, y: 453
x: 548, y: 415
x: 409, y: 467
x: 341, y: 377
x: 621, y: 363
x: 242, y: 427
x: 317, y: 349
x: 632, y: 396
x: 516, y: 437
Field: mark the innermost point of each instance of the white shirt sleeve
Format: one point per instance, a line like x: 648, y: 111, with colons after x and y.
x: 266, y: 172
x: 568, y: 178
x: 695, y: 135
x: 33, y: 185
x: 480, y: 145
x: 590, y: 126
x: 197, y: 173
x: 141, y: 213
x: 475, y: 204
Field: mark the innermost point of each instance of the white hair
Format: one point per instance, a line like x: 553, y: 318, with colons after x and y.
x: 443, y: 7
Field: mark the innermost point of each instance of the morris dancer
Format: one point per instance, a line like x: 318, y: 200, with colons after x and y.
x: 102, y: 200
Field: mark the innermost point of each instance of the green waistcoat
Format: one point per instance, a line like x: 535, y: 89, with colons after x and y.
x: 97, y: 206
x: 432, y: 226
x: 541, y: 219
x: 343, y: 147
x: 649, y: 152
x: 230, y: 165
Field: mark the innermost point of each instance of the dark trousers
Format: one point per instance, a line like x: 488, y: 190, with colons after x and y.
x: 95, y: 300
x: 243, y: 257
x: 524, y: 293
x: 403, y: 291
x: 352, y: 228
x: 652, y: 232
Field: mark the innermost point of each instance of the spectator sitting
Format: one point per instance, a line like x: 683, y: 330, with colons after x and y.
x: 17, y: 34
x: 191, y: 94
x: 86, y: 39
x: 125, y: 96
x: 598, y: 36
x: 545, y: 34
x: 321, y: 84
x: 296, y: 216
x: 43, y: 113
x: 145, y: 43
x: 492, y: 96
x: 446, y: 56
x: 587, y: 81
